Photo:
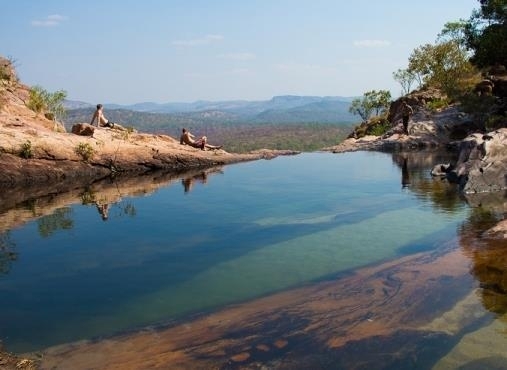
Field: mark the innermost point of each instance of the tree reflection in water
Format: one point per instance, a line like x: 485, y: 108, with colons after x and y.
x: 105, y: 200
x: 487, y: 253
x: 7, y: 252
x: 59, y: 220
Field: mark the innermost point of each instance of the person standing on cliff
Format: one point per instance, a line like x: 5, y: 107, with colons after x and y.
x: 406, y: 113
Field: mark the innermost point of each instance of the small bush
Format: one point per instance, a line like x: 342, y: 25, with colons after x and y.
x: 474, y: 104
x: 495, y: 122
x: 85, y: 150
x: 26, y: 150
x: 437, y: 104
x: 379, y: 128
x: 40, y: 100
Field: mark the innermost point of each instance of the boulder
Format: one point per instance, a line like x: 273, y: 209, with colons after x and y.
x: 83, y: 129
x: 482, y: 163
x: 484, y: 87
x: 441, y: 170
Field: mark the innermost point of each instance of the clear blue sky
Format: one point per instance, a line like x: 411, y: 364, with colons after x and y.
x: 128, y: 51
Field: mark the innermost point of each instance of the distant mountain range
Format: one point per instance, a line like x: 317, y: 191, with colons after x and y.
x: 280, y: 109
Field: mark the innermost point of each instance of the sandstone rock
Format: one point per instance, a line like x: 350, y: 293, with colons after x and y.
x: 83, y: 129
x: 482, y: 163
x: 441, y: 170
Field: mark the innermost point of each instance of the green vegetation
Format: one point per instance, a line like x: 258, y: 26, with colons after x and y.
x: 406, y: 79
x: 496, y: 121
x: 372, y: 101
x: 376, y: 126
x: 444, y: 66
x: 485, y: 33
x: 26, y: 150
x: 436, y: 104
x: 236, y: 136
x: 41, y: 100
x: 379, y: 128
x: 85, y: 150
x: 452, y: 63
x: 464, y: 53
x: 300, y: 137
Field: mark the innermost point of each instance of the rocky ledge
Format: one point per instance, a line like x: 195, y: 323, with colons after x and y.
x: 36, y: 150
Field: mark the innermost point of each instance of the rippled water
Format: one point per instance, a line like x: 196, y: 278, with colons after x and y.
x: 214, y: 238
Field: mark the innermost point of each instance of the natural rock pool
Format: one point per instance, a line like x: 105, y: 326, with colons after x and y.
x: 357, y: 260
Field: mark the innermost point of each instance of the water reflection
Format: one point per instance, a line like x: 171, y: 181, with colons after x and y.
x: 21, y: 205
x: 7, y: 252
x: 200, y: 177
x: 435, y: 191
x: 59, y: 220
x: 487, y: 251
x: 488, y: 254
x: 405, y: 177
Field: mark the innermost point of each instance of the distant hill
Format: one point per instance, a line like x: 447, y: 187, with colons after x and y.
x: 287, y: 109
x: 321, y: 111
x: 73, y: 104
x: 244, y: 107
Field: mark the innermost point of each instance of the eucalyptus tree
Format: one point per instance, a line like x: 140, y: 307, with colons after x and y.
x: 406, y: 79
x: 372, y: 101
x: 444, y: 65
x: 486, y: 33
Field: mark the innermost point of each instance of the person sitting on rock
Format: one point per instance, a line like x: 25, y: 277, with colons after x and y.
x: 102, y: 121
x: 201, y: 143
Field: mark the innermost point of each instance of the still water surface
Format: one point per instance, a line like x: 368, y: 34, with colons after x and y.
x: 228, y: 236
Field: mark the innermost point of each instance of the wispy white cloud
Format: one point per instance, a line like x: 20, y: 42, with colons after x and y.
x: 208, y: 39
x: 50, y: 21
x: 237, y: 56
x: 372, y: 43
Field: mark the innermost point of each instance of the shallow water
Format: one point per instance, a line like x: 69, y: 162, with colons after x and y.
x: 220, y: 237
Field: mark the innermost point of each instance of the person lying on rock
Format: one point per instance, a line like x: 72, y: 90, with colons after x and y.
x: 201, y: 143
x: 102, y: 121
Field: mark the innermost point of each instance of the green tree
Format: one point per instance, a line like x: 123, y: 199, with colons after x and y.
x: 361, y: 108
x: 380, y: 100
x: 41, y: 100
x: 486, y: 33
x: 405, y: 78
x: 454, y: 31
x: 444, y: 65
x: 372, y: 101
